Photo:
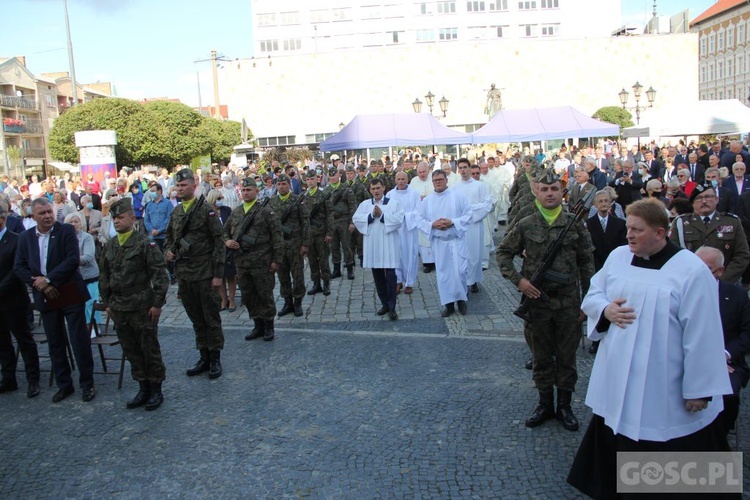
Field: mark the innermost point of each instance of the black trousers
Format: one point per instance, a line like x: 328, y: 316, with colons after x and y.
x: 15, y: 321
x: 385, y: 284
x: 80, y: 340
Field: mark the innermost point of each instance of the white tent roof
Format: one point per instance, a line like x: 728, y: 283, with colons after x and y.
x: 728, y: 116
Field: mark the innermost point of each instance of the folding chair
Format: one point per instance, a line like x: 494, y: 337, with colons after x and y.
x: 41, y: 338
x: 103, y: 338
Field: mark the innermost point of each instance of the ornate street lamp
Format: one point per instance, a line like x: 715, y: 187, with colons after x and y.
x: 637, y: 89
x: 430, y: 98
x: 443, y: 105
x: 417, y: 105
x: 341, y: 125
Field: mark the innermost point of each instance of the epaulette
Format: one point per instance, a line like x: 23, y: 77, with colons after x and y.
x: 729, y: 214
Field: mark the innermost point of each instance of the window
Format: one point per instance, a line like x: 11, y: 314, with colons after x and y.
x: 550, y: 4
x: 740, y: 65
x: 371, y: 12
x: 425, y: 8
x: 319, y: 16
x: 729, y: 93
x: 266, y: 19
x: 475, y: 6
x: 446, y: 7
x: 720, y: 43
x: 721, y: 94
x: 448, y: 33
x: 499, y: 5
x: 703, y: 47
x: 477, y: 32
x: 287, y: 18
x: 499, y: 30
x: 527, y: 5
x: 730, y: 37
x: 396, y: 35
x: 729, y: 67
x: 719, y: 70
x: 342, y: 14
x: 292, y: 44
x: 50, y: 101
x: 710, y: 72
x: 529, y: 30
x: 703, y: 74
x: 740, y: 34
x: 426, y: 35
x: 550, y: 29
x: 711, y: 43
x: 269, y: 45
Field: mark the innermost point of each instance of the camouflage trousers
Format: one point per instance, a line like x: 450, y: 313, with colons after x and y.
x: 342, y: 239
x: 292, y: 272
x: 140, y: 343
x: 357, y: 240
x: 554, y: 332
x: 317, y: 257
x: 256, y: 285
x: 202, y: 304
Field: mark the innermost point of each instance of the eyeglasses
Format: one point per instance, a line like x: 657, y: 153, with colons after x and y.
x: 705, y: 197
x: 683, y: 176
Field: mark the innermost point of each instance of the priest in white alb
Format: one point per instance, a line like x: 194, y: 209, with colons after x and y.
x: 422, y: 184
x: 445, y: 216
x: 660, y: 372
x: 481, y: 203
x: 379, y: 219
x: 409, y: 200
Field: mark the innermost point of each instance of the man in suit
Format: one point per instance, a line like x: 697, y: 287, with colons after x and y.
x: 703, y: 155
x: 602, y: 163
x: 578, y: 189
x: 655, y: 167
x: 682, y: 157
x: 596, y: 176
x: 736, y: 184
x: 734, y: 306
x: 47, y: 259
x: 628, y: 185
x: 14, y: 304
x: 697, y: 170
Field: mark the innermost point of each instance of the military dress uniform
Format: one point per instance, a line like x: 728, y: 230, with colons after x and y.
x: 342, y: 202
x: 320, y: 213
x: 260, y: 245
x: 360, y: 194
x: 294, y: 222
x: 194, y: 236
x: 132, y: 280
x: 554, y: 329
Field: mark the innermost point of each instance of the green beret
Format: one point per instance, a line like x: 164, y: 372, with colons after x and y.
x: 350, y: 168
x: 183, y: 175
x: 121, y: 206
x: 333, y: 171
x: 248, y: 181
x: 310, y: 174
x: 283, y: 178
x: 548, y: 176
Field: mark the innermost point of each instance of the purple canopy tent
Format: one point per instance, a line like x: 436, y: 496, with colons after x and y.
x: 542, y: 124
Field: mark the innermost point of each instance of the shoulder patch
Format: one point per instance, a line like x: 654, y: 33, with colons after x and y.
x: 152, y: 244
x: 729, y: 214
x: 211, y: 213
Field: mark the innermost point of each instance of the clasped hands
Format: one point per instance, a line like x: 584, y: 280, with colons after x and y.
x: 49, y: 291
x: 442, y: 224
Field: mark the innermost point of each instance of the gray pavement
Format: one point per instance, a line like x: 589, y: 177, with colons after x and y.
x: 343, y: 404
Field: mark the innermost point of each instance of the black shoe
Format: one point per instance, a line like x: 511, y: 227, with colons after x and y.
x: 594, y: 347
x: 350, y: 272
x: 141, y: 398
x: 474, y: 288
x: 543, y: 411
x: 382, y: 311
x: 426, y: 269
x: 88, y: 395
x: 393, y: 315
x: 257, y: 331
x: 288, y: 307
x: 215, y: 364
x: 8, y: 386
x: 172, y: 280
x: 298, y: 307
x: 326, y: 288
x: 564, y: 412
x: 529, y: 364
x: 462, y: 307
x: 156, y: 399
x: 315, y: 289
x: 33, y: 390
x: 269, y: 334
x: 201, y: 366
x: 62, y: 394
x: 336, y: 271
x: 447, y: 311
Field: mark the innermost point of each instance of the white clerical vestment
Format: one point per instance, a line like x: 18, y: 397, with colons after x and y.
x: 490, y: 222
x: 673, y: 351
x: 506, y: 174
x: 481, y: 203
x: 381, y: 249
x: 423, y: 188
x: 448, y: 245
x: 409, y: 200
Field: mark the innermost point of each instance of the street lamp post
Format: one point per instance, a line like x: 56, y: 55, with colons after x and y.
x: 430, y: 100
x: 637, y: 93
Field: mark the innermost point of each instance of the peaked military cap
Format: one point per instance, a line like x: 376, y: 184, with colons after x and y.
x: 121, y: 206
x: 548, y: 176
x: 183, y: 175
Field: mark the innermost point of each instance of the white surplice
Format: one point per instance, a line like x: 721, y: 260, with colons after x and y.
x: 381, y: 249
x: 409, y: 200
x: 448, y: 245
x: 423, y: 188
x: 506, y: 174
x: 673, y: 351
x: 481, y: 203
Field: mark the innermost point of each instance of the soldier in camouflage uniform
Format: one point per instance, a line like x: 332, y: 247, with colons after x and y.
x: 258, y: 251
x: 294, y: 221
x: 360, y: 194
x: 342, y: 201
x: 133, y: 283
x: 555, y: 327
x: 321, y: 234
x: 195, y: 245
x: 520, y: 191
x: 722, y: 231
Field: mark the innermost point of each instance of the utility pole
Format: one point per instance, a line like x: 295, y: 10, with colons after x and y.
x: 70, y: 57
x: 217, y: 112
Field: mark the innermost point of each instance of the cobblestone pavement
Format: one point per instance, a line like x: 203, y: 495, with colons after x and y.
x: 343, y: 404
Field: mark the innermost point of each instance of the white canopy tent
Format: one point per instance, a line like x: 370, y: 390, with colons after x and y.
x: 728, y: 116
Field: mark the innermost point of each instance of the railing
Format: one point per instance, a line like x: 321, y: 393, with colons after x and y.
x: 12, y: 101
x: 27, y: 127
x: 32, y: 153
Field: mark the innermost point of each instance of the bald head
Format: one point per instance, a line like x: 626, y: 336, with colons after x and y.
x: 713, y: 258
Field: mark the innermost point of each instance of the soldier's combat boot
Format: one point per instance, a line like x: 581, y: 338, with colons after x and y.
x: 215, y: 371
x: 156, y: 399
x: 201, y: 366
x: 564, y: 412
x: 298, y: 307
x: 288, y: 307
x: 269, y: 334
x: 315, y: 289
x: 350, y: 272
x: 544, y: 410
x: 141, y: 398
x: 257, y: 331
x: 336, y: 270
x: 326, y: 288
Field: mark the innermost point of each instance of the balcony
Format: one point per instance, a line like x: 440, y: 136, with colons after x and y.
x: 13, y: 126
x: 32, y: 153
x: 11, y: 101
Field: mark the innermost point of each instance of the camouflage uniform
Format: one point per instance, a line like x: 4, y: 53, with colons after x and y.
x: 296, y: 234
x: 360, y: 194
x: 342, y: 202
x: 321, y: 226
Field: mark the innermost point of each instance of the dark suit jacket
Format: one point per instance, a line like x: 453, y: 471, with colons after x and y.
x: 606, y: 241
x: 742, y: 210
x: 728, y: 159
x: 700, y: 173
x: 734, y: 306
x: 576, y: 192
x: 627, y: 193
x: 598, y: 179
x: 603, y: 164
x: 15, y: 223
x: 62, y: 260
x: 656, y: 169
x: 680, y: 159
x: 728, y: 200
x: 13, y: 294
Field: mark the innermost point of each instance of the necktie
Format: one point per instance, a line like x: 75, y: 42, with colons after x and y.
x: 706, y: 220
x: 692, y: 171
x: 604, y: 224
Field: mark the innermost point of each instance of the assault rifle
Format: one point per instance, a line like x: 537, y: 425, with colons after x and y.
x: 241, y: 237
x: 288, y: 213
x: 579, y: 210
x: 181, y: 243
x: 315, y: 209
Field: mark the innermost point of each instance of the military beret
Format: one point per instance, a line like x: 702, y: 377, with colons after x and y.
x: 310, y: 174
x: 362, y: 168
x: 700, y: 188
x: 183, y: 175
x: 548, y: 176
x: 333, y: 171
x: 350, y: 168
x: 283, y: 178
x: 248, y: 181
x: 121, y: 206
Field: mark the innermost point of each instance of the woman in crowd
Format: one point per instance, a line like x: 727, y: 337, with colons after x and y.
x: 228, y: 288
x: 28, y: 220
x: 173, y: 196
x: 90, y: 218
x: 87, y: 264
x: 136, y: 193
x: 59, y: 207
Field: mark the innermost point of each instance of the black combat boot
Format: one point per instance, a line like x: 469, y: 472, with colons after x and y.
x: 257, y: 331
x: 269, y: 334
x: 326, y: 288
x: 215, y: 371
x: 564, y: 412
x: 298, y: 307
x: 544, y: 410
x: 288, y: 307
x: 157, y: 398
x: 201, y: 366
x: 315, y: 289
x: 141, y: 398
x: 336, y: 270
x: 350, y: 272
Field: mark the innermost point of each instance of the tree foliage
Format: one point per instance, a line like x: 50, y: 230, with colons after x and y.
x: 616, y: 115
x: 159, y: 132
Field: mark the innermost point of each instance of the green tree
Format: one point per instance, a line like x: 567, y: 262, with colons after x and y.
x: 616, y: 115
x: 180, y: 136
x: 222, y: 137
